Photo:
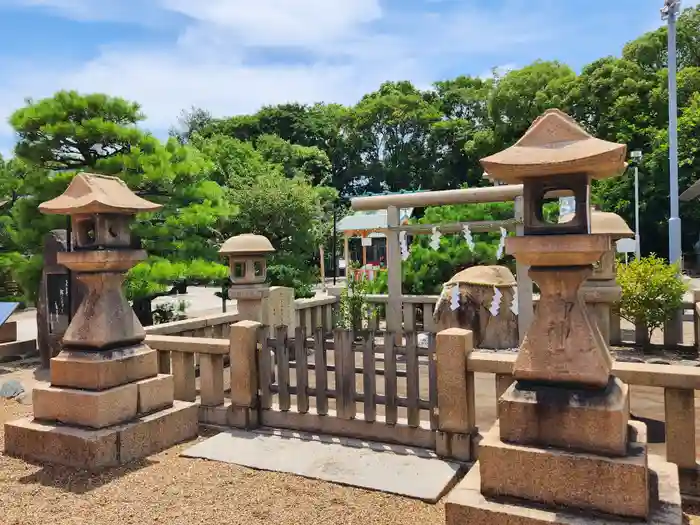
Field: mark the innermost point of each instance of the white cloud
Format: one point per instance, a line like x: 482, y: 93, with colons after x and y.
x: 339, y: 49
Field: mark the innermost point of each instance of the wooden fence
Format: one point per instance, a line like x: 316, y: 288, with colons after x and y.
x: 390, y: 390
x: 350, y: 386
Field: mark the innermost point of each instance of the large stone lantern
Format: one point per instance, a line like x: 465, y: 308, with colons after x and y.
x: 563, y: 450
x: 107, y: 404
x: 247, y: 255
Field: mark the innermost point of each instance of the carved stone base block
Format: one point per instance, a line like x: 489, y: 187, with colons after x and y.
x: 95, y: 449
x: 105, y: 369
x: 104, y: 319
x: 562, y: 343
x: 584, y: 420
x: 465, y: 505
x: 553, y: 477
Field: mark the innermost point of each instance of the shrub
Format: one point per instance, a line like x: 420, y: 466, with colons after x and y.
x: 652, y: 291
x: 353, y: 303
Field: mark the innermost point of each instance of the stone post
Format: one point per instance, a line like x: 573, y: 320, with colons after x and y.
x: 244, y: 372
x: 455, y: 389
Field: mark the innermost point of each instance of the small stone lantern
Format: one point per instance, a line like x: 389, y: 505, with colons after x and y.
x: 247, y: 256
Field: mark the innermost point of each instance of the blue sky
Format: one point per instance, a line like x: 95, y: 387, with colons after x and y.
x: 232, y: 56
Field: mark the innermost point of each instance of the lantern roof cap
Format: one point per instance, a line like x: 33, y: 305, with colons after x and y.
x: 606, y: 223
x: 555, y: 144
x: 247, y: 243
x: 89, y: 193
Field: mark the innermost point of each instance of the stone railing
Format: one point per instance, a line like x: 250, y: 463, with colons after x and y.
x: 314, y: 312
x: 213, y: 326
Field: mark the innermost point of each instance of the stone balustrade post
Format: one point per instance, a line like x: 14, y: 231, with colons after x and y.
x: 455, y: 386
x: 243, y: 355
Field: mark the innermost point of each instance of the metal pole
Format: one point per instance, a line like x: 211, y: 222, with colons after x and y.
x: 335, y: 243
x: 637, y: 244
x: 673, y: 329
x: 671, y: 10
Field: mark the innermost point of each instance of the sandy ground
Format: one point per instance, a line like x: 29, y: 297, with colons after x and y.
x: 168, y: 489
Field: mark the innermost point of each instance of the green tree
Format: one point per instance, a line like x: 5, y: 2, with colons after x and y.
x: 70, y: 131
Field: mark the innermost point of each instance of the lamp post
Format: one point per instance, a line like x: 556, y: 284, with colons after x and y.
x: 637, y: 156
x: 669, y: 12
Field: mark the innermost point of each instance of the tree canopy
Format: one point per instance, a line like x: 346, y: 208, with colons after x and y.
x: 281, y: 170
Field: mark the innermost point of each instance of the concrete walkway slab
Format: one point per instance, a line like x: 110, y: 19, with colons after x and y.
x: 410, y: 472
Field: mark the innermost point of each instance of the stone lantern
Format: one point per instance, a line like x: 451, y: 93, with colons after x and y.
x: 106, y: 404
x: 563, y: 450
x: 247, y: 255
x: 601, y: 291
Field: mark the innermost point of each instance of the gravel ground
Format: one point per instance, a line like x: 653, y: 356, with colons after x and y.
x: 168, y: 489
x: 172, y: 490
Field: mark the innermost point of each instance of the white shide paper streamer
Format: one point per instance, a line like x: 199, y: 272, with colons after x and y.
x: 404, y: 245
x: 496, y: 303
x: 468, y: 237
x: 502, y: 244
x: 454, y: 298
x: 435, y: 239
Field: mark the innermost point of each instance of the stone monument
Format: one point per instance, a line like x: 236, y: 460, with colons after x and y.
x: 60, y: 294
x: 563, y: 450
x: 107, y: 404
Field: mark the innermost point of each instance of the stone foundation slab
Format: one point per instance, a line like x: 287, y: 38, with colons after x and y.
x: 465, y: 505
x: 96, y: 449
x: 554, y: 477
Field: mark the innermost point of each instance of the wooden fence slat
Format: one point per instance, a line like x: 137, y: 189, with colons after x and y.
x: 338, y: 362
x: 409, y: 317
x: 369, y: 378
x: 314, y: 320
x: 349, y: 376
x: 183, y: 373
x: 390, y: 384
x: 264, y: 370
x: 412, y: 385
x: 282, y: 354
x: 428, y: 321
x: 373, y: 320
x: 211, y: 379
x: 321, y: 371
x: 327, y: 319
x: 302, y: 370
x: 432, y: 382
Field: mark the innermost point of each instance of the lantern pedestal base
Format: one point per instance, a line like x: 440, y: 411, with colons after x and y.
x: 78, y: 447
x: 594, y: 421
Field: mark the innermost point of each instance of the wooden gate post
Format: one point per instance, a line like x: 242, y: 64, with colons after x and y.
x: 243, y: 352
x: 455, y: 394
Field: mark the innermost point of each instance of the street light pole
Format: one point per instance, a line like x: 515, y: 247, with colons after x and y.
x: 670, y: 13
x: 637, y: 156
